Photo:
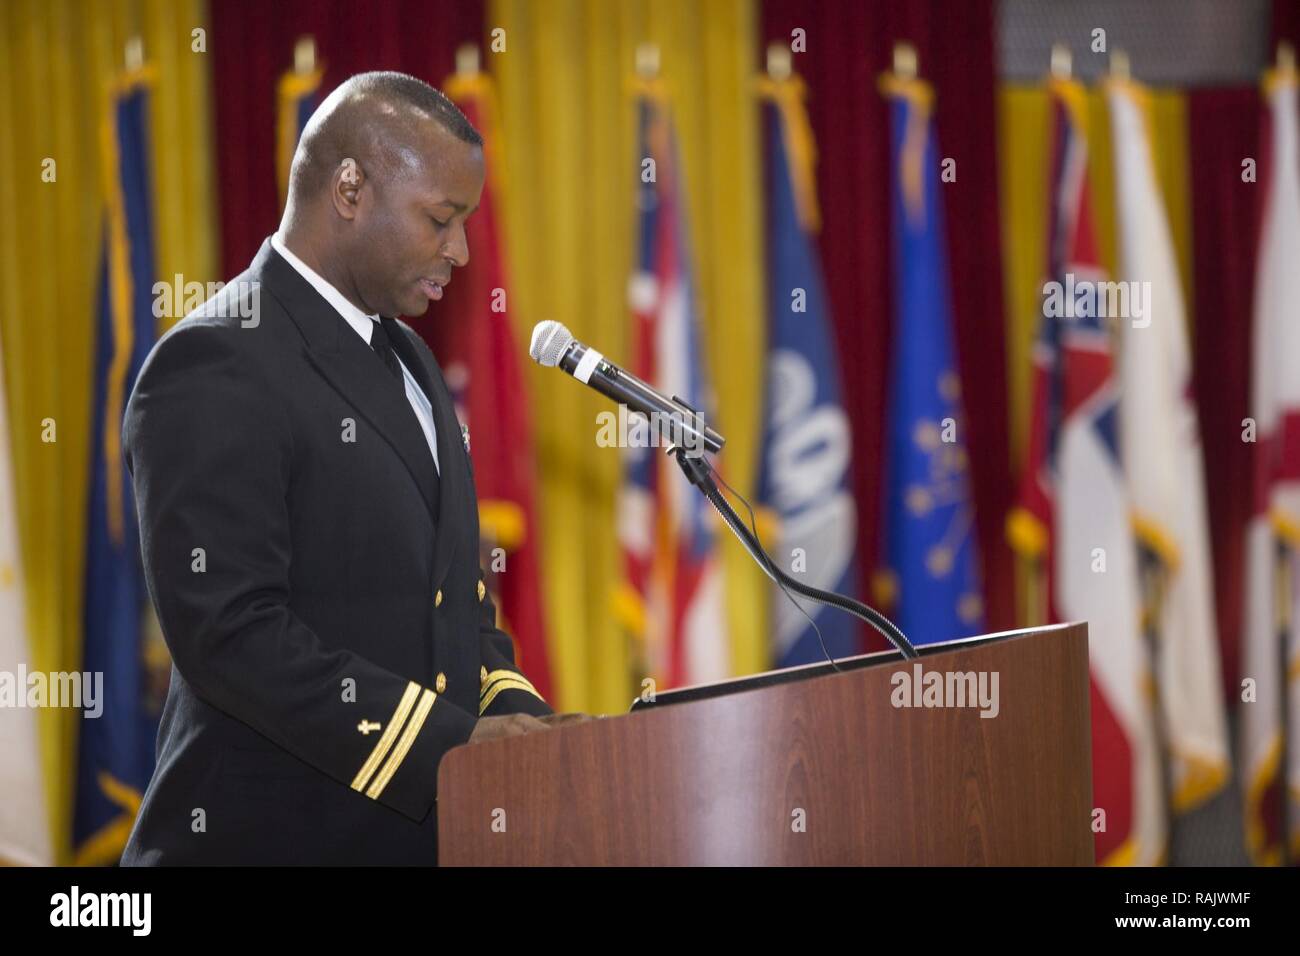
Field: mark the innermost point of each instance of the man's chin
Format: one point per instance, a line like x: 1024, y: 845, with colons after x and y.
x: 416, y: 307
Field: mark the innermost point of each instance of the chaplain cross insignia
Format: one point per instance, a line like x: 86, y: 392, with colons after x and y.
x: 368, y: 725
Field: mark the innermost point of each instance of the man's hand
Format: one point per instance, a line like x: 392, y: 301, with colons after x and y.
x: 507, y: 725
x: 563, y: 720
x: 514, y: 725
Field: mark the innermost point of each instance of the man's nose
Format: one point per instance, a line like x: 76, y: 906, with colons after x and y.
x: 456, y: 251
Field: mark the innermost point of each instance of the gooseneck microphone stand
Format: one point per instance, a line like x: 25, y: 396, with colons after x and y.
x: 698, y: 473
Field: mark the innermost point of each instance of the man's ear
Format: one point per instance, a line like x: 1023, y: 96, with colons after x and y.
x: 345, y: 188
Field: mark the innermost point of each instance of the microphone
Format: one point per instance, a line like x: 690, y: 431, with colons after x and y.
x: 554, y: 346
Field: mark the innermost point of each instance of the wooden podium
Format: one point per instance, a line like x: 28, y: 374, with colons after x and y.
x: 806, y: 766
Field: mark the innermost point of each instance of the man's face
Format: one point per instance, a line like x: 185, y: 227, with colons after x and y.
x: 410, y: 226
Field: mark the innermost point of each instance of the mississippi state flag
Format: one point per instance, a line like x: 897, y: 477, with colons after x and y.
x: 1273, y: 573
x: 672, y: 595
x: 1073, y: 514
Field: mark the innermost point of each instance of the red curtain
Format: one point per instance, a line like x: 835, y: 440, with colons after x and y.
x: 1223, y: 129
x: 849, y: 44
x: 252, y: 44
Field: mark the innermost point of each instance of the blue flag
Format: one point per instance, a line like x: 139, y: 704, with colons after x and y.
x: 933, y: 583
x: 804, y: 470
x: 116, y: 750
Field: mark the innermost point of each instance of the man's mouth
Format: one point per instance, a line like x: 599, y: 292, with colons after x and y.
x: 432, y: 288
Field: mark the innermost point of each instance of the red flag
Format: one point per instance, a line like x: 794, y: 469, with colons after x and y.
x: 476, y: 347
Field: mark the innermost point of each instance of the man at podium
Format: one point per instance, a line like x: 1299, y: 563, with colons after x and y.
x: 308, y: 517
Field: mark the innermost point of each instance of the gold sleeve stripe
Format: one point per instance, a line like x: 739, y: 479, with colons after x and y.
x: 501, y: 685
x: 399, y: 752
x: 390, y: 734
x: 503, y: 674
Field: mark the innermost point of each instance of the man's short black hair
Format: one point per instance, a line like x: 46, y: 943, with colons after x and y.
x: 416, y: 92
x: 344, y: 126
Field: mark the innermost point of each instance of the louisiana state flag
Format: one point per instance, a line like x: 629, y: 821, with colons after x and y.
x: 803, y: 484
x: 296, y: 97
x: 116, y: 749
x: 932, y: 578
x: 672, y: 595
x: 475, y: 344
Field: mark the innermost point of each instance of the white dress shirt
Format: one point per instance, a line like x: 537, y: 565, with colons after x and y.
x: 364, y: 325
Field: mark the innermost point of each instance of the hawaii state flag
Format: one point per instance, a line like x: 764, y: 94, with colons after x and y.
x: 1272, y: 632
x: 1072, y: 517
x: 932, y: 580
x: 116, y: 754
x: 672, y: 593
x: 475, y: 344
x: 807, y: 447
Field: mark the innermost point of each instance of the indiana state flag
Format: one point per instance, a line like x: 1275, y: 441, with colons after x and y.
x: 116, y: 750
x: 932, y: 578
x: 806, y: 444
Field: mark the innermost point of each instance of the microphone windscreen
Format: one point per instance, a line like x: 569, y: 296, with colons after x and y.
x: 549, y: 342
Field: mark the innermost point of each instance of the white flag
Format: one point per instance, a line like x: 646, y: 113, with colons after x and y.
x: 24, y: 828
x: 1275, y: 518
x: 1160, y: 445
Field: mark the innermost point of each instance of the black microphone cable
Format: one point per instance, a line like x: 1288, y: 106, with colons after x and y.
x: 700, y: 472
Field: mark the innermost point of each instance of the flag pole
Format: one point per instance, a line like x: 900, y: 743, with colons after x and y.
x: 304, y: 55
x: 906, y: 65
x: 1120, y: 69
x: 1062, y: 61
x: 134, y: 55
x: 647, y: 61
x: 1285, y: 57
x: 779, y: 65
x: 467, y: 60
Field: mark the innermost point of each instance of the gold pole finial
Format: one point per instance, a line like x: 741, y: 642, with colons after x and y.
x: 304, y: 55
x: 647, y: 60
x: 134, y: 54
x: 1119, y: 66
x: 905, y: 61
x: 1285, y: 57
x: 467, y: 62
x: 779, y: 66
x: 1062, y: 61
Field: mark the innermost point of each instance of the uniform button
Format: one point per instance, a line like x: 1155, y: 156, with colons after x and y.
x: 482, y: 674
x: 440, y: 684
x: 437, y: 598
x: 482, y: 590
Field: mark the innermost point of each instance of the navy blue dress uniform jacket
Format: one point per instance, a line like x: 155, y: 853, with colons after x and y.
x: 330, y: 631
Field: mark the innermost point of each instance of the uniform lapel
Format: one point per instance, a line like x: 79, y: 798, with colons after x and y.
x: 353, y: 369
x: 451, y: 502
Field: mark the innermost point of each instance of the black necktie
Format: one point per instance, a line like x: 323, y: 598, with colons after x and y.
x: 383, y: 346
x: 384, y: 349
